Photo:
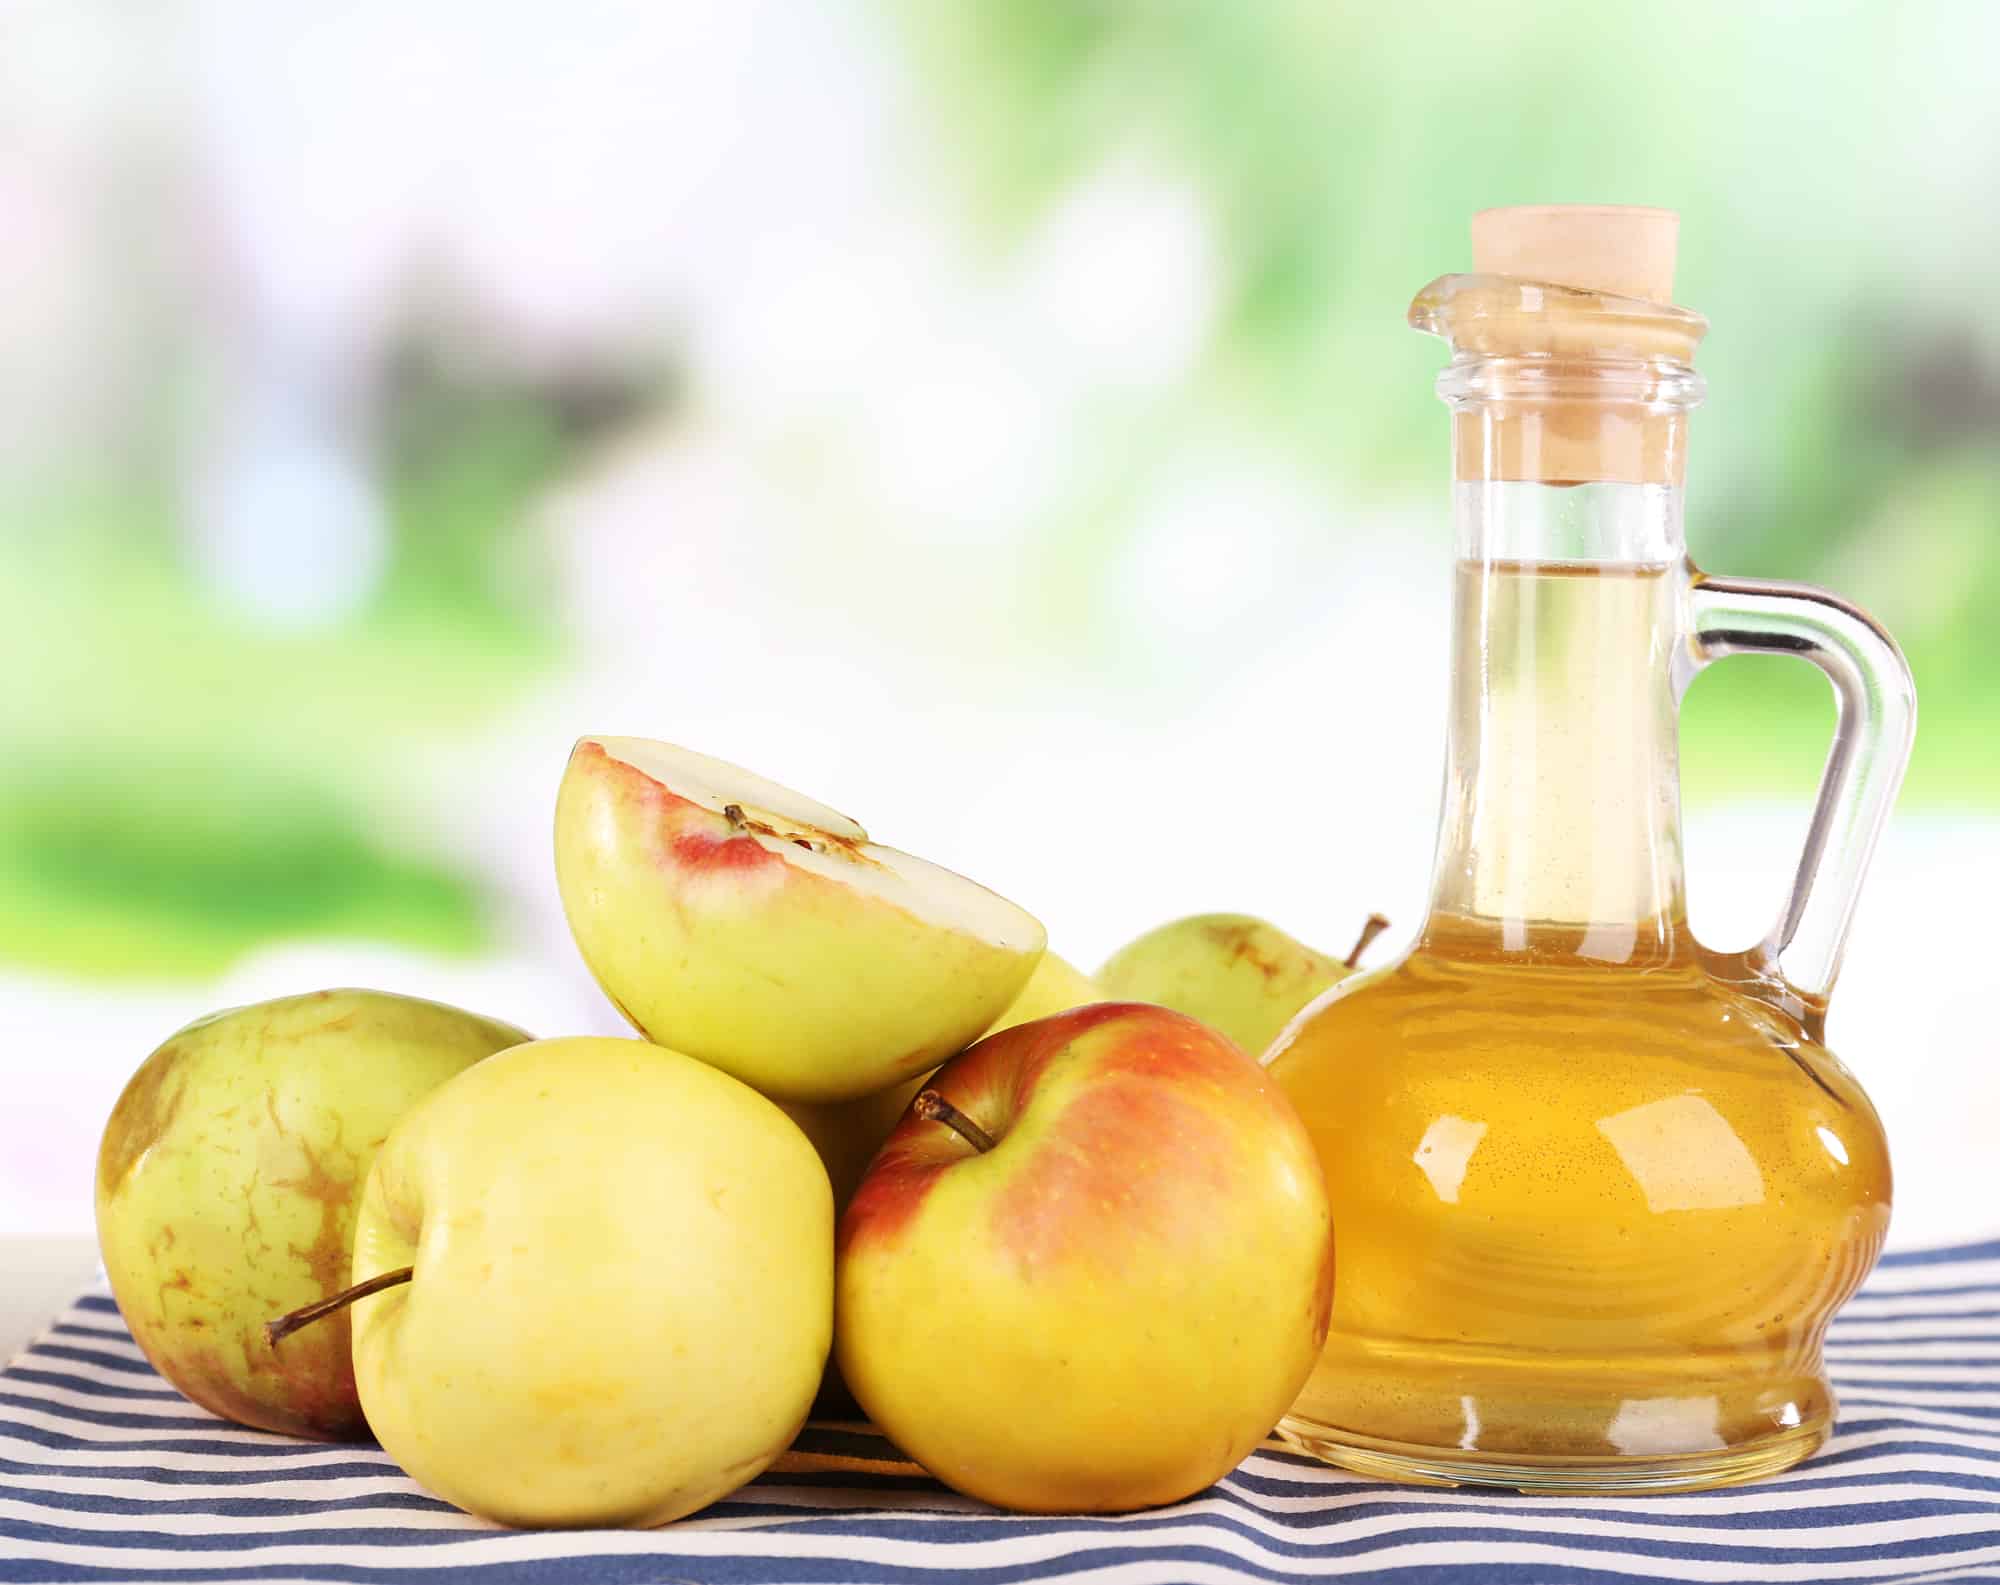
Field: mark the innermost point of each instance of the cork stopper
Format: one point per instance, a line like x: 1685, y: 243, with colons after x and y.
x: 1622, y: 250
x: 1570, y: 362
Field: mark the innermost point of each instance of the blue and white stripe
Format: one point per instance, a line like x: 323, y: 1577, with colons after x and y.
x: 106, y: 1473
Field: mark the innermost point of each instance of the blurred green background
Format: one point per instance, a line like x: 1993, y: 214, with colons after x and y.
x: 918, y: 391
x: 1839, y: 178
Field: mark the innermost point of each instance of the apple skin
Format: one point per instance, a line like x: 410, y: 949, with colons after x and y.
x: 1234, y: 972
x: 229, y: 1176
x: 1114, y: 1305
x: 623, y: 1287
x: 1055, y: 987
x: 711, y: 943
x: 848, y: 1133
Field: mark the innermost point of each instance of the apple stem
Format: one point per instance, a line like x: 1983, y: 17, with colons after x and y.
x: 934, y: 1108
x: 285, y: 1325
x: 1374, y: 927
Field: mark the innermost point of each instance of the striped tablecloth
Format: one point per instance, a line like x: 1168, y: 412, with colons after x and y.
x: 107, y: 1474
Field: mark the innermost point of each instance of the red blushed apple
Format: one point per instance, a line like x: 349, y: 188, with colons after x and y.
x: 763, y: 933
x: 1090, y: 1268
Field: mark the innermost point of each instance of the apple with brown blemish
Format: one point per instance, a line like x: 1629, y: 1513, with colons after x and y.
x: 1236, y: 973
x: 737, y: 921
x: 228, y: 1180
x: 1091, y: 1267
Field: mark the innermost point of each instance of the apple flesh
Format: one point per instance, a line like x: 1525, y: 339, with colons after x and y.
x: 1234, y: 972
x: 1100, y: 1280
x: 737, y: 921
x: 622, y: 1290
x: 228, y: 1180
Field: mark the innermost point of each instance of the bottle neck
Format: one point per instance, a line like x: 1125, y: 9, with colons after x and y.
x: 1560, y: 832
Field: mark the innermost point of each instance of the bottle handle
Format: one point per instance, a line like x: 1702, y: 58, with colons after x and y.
x: 1875, y: 723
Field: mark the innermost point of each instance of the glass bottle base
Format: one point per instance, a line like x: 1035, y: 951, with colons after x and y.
x: 1551, y: 1474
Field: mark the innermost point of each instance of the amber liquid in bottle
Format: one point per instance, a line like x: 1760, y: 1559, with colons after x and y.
x: 1594, y: 1204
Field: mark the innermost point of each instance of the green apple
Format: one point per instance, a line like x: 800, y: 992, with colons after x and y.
x: 1235, y: 973
x: 732, y: 919
x: 1091, y: 1267
x: 229, y: 1176
x: 620, y: 1290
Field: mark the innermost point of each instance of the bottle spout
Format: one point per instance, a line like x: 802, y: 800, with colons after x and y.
x: 1583, y: 282
x: 1570, y: 362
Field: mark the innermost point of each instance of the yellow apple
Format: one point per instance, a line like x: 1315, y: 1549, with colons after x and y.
x: 732, y: 919
x: 847, y: 1134
x: 621, y: 1292
x: 1055, y: 987
x: 1090, y: 1268
x: 229, y: 1176
x: 1235, y: 973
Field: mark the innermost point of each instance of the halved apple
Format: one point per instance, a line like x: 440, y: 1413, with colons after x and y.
x: 739, y: 922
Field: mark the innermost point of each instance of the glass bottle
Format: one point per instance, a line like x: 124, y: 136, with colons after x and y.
x: 1597, y: 1190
